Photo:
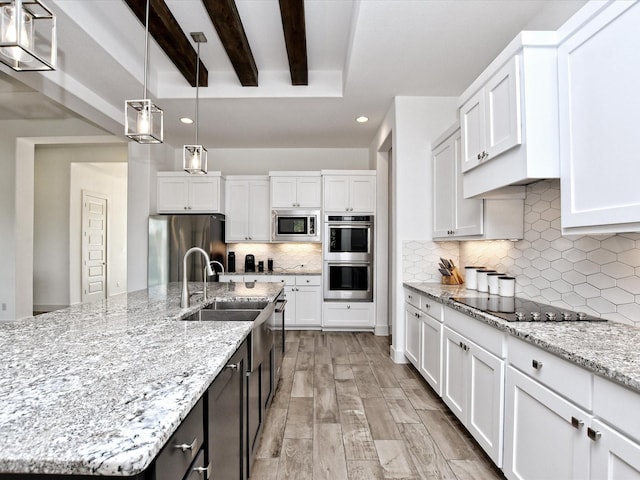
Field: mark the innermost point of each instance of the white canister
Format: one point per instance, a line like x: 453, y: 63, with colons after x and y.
x: 483, y: 286
x: 492, y: 282
x: 506, y: 286
x: 471, y: 278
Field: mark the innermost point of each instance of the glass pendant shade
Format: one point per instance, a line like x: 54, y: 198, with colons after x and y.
x: 143, y: 121
x: 27, y: 35
x: 194, y: 159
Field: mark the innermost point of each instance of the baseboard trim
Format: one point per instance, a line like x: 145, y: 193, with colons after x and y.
x: 381, y: 330
x: 398, y: 356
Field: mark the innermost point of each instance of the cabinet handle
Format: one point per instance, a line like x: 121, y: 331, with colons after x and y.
x: 348, y: 307
x: 594, y: 435
x: 203, y: 470
x: 185, y: 446
x: 233, y: 366
x: 536, y: 364
x: 427, y: 306
x: 478, y: 156
x: 577, y: 423
x: 417, y: 315
x: 410, y: 297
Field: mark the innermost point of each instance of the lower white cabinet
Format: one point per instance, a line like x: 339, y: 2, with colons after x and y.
x: 412, y: 334
x: 304, y: 302
x: 613, y: 455
x: 431, y: 352
x: 473, y: 388
x: 348, y: 315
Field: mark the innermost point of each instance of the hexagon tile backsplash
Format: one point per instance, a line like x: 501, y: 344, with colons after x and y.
x: 599, y: 275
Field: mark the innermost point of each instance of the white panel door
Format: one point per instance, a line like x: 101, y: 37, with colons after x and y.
x: 502, y: 110
x: 94, y: 247
x: 468, y: 212
x: 309, y: 306
x: 454, y: 374
x: 362, y: 194
x: 472, y: 124
x: 444, y: 188
x: 237, y: 211
x: 613, y: 456
x: 290, y: 307
x: 259, y: 212
x: 283, y: 192
x: 172, y: 195
x: 309, y: 192
x: 431, y: 352
x: 598, y: 69
x: 336, y: 193
x: 204, y: 194
x: 545, y: 435
x: 412, y: 334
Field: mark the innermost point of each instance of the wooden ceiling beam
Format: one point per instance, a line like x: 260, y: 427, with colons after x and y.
x: 226, y: 20
x: 292, y: 13
x: 165, y: 30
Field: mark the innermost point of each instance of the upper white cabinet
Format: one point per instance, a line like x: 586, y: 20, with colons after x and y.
x: 296, y: 189
x: 490, y: 119
x: 248, y: 217
x: 180, y: 192
x: 508, y: 118
x: 454, y: 217
x: 349, y: 191
x: 598, y: 68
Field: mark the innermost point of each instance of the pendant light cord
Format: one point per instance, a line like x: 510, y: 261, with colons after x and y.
x: 146, y: 49
x: 197, y: 89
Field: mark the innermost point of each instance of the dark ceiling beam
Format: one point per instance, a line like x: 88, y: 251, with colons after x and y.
x: 292, y: 13
x: 165, y: 30
x: 226, y: 19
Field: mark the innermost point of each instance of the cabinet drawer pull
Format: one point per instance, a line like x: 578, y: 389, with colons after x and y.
x: 536, y: 364
x: 577, y: 423
x: 233, y: 366
x: 186, y: 447
x: 427, y: 306
x: 593, y: 434
x: 461, y: 345
x: 203, y: 470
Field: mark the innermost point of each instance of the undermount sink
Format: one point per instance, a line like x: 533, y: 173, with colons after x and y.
x: 226, y: 315
x: 239, y: 305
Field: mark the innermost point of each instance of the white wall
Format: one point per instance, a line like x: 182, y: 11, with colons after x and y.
x: 416, y: 121
x: 258, y: 161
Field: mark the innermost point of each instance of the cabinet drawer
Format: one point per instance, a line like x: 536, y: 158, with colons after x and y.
x: 412, y: 298
x: 267, y: 279
x: 559, y: 375
x: 308, y: 280
x: 617, y: 406
x: 431, y: 308
x: 180, y: 450
x: 482, y: 334
x: 348, y: 315
x: 230, y: 278
x: 198, y: 470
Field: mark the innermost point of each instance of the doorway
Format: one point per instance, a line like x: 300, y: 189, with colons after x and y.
x: 94, y: 246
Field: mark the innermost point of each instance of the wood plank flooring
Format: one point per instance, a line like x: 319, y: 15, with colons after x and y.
x: 344, y: 411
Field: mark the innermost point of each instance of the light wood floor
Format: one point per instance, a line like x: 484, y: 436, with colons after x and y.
x: 344, y: 410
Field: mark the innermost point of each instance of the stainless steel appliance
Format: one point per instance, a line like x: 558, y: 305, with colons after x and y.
x: 276, y: 323
x: 348, y: 281
x: 295, y: 225
x: 170, y: 236
x: 348, y: 238
x: 515, y: 309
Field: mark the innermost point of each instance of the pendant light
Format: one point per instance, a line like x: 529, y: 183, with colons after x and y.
x: 194, y: 157
x: 27, y: 35
x: 143, y: 120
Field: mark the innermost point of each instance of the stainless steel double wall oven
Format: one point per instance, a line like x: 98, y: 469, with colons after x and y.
x: 348, y: 257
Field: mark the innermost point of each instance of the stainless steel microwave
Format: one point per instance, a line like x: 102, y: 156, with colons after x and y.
x: 295, y: 225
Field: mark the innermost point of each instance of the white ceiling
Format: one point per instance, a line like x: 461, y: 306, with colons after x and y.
x: 361, y: 53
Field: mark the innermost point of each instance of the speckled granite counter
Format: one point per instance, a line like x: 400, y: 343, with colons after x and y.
x: 608, y: 349
x: 99, y: 388
x: 280, y: 272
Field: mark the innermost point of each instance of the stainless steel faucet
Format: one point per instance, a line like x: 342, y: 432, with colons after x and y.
x: 207, y: 274
x: 184, y: 299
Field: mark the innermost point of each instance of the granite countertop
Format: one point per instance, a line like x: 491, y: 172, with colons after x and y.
x: 98, y: 389
x: 609, y: 349
x: 280, y: 271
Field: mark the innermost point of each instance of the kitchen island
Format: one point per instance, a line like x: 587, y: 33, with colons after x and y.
x: 98, y: 389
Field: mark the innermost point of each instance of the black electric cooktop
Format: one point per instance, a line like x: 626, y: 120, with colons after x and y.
x: 515, y: 309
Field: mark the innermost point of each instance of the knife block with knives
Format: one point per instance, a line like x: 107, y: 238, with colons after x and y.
x: 450, y: 273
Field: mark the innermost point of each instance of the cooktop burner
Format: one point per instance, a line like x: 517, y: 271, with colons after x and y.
x: 514, y: 309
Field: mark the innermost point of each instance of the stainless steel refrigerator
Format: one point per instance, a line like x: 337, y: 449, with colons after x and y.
x: 170, y: 236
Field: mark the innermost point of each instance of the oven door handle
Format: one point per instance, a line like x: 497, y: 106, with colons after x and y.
x: 280, y: 309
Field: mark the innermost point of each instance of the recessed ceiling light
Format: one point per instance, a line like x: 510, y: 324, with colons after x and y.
x: 362, y: 119
x: 186, y: 120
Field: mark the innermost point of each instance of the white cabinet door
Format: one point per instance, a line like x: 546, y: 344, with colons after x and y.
x: 259, y: 215
x: 468, y: 212
x: 309, y: 192
x: 472, y: 124
x: 599, y: 108
x: 502, y: 109
x: 486, y: 400
x: 544, y: 433
x: 283, y: 192
x: 613, y: 456
x: 173, y: 194
x: 431, y: 352
x: 362, y: 194
x: 454, y: 375
x: 308, y: 306
x: 444, y: 187
x: 290, y: 307
x: 336, y: 193
x: 412, y: 335
x: 237, y: 211
x: 204, y: 194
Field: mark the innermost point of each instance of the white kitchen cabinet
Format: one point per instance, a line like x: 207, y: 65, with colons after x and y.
x: 412, y: 334
x: 431, y: 352
x: 353, y: 193
x: 599, y: 103
x: 490, y: 119
x: 613, y: 455
x: 248, y: 217
x: 545, y: 435
x: 304, y: 302
x: 296, y: 189
x: 456, y: 218
x: 348, y: 315
x: 473, y: 388
x: 180, y: 192
x: 508, y: 118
